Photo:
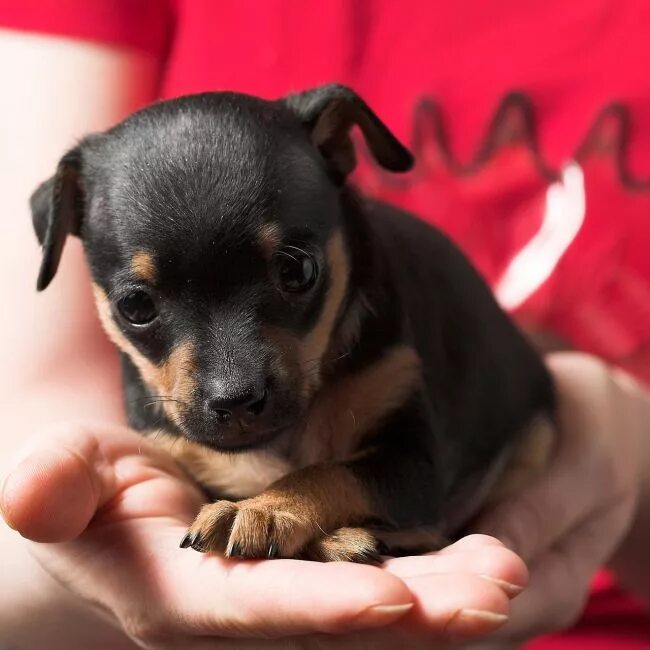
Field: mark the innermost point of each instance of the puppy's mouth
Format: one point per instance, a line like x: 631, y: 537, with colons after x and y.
x: 240, y: 442
x: 235, y: 435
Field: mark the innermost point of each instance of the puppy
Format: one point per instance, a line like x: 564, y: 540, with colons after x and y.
x: 329, y: 369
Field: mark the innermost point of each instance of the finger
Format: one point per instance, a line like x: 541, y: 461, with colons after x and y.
x: 240, y: 598
x: 210, y: 595
x: 477, y: 554
x: 452, y: 607
x: 441, y: 618
x: 559, y: 581
x: 471, y: 542
x: 54, y: 492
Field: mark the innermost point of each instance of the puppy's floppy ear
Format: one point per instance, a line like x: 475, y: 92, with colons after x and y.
x: 56, y: 212
x: 329, y: 113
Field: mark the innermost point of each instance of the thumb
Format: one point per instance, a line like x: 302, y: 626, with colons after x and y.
x: 54, y: 492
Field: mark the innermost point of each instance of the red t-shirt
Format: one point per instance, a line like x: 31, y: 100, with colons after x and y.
x: 531, y: 126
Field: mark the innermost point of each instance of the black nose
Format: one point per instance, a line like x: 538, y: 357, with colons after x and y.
x: 243, y: 403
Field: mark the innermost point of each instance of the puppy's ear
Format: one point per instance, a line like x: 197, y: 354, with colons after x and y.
x: 56, y: 212
x: 329, y: 113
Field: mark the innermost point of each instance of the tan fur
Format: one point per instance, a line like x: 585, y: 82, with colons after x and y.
x: 291, y: 513
x: 328, y: 494
x: 314, y: 345
x: 343, y: 545
x: 176, y: 378
x: 343, y: 413
x: 173, y: 379
x: 143, y: 267
x: 231, y: 475
x: 269, y: 238
x: 146, y: 368
x: 350, y: 329
x: 528, y: 461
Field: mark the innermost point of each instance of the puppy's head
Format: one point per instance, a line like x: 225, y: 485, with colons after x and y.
x: 213, y: 229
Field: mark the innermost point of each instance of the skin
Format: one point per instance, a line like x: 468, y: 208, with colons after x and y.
x: 71, y: 472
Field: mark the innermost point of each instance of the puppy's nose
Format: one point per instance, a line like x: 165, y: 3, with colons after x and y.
x: 244, y: 403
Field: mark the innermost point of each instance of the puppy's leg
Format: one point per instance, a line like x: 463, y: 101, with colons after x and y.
x: 284, y: 518
x: 392, y: 486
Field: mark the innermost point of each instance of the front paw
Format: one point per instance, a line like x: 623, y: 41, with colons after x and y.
x: 260, y: 527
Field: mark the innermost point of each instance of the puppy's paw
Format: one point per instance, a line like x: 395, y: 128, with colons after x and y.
x: 261, y: 527
x: 345, y: 545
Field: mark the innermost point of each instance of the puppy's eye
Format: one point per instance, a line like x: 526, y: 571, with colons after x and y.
x: 137, y: 308
x: 296, y: 270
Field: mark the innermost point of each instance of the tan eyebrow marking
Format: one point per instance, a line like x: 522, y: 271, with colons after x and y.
x: 144, y: 267
x: 269, y: 238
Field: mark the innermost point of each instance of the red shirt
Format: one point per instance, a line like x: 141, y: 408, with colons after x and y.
x: 531, y: 126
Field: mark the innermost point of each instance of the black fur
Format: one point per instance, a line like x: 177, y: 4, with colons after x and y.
x: 193, y: 180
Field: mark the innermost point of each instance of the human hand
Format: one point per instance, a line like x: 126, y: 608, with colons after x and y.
x: 105, y: 511
x: 569, y: 522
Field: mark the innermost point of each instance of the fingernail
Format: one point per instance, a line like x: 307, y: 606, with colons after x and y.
x: 473, y: 622
x: 382, y: 614
x: 510, y: 588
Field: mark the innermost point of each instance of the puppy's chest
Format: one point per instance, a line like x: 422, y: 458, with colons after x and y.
x: 242, y: 475
x: 234, y: 476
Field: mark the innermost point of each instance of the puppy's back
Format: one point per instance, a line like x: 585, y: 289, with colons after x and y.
x: 483, y: 379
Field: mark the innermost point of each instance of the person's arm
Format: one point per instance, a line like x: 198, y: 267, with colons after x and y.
x: 56, y: 364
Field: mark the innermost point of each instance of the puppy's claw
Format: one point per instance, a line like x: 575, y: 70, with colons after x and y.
x: 189, y: 540
x: 198, y: 546
x: 255, y: 528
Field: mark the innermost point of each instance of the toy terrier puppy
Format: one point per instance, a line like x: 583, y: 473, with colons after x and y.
x: 331, y: 370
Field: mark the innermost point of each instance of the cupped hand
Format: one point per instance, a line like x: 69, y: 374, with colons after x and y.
x: 104, y: 511
x: 569, y: 522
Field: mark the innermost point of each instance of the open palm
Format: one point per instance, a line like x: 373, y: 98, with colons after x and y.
x: 106, y: 511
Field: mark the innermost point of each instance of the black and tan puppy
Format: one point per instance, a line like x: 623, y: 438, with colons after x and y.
x: 332, y: 367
